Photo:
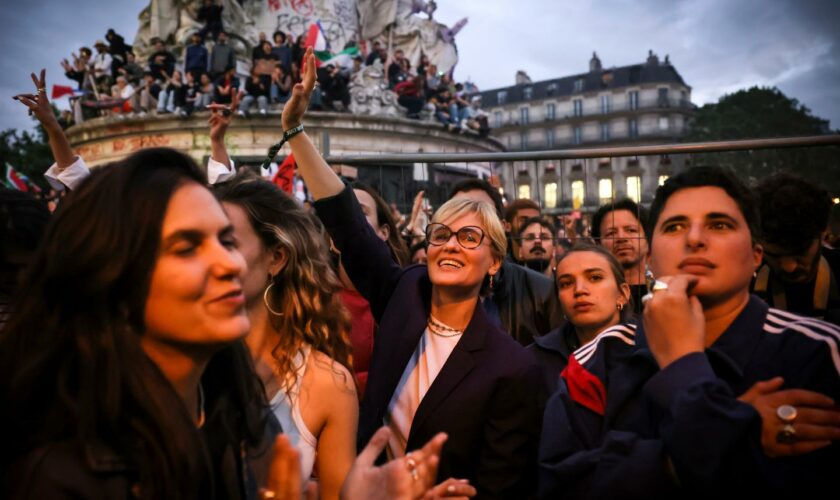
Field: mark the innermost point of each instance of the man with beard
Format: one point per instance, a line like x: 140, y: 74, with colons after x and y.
x: 620, y: 228
x: 536, y: 246
x: 517, y: 212
x: 798, y: 274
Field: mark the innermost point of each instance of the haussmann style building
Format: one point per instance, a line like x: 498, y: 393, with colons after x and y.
x: 640, y: 104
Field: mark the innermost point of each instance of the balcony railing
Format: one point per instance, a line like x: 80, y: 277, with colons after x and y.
x: 593, y: 108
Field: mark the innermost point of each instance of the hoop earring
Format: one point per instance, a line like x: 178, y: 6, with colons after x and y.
x: 620, y: 306
x: 265, y: 299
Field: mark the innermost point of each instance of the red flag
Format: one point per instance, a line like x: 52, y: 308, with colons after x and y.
x: 61, y: 91
x: 285, y: 175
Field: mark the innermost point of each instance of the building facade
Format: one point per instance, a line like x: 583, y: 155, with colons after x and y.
x: 641, y: 104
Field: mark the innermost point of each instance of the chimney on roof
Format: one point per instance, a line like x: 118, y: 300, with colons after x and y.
x: 522, y: 78
x: 594, y: 63
x: 667, y: 60
x: 652, y: 59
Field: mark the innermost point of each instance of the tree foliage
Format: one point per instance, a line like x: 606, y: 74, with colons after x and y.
x: 758, y: 113
x: 27, y: 152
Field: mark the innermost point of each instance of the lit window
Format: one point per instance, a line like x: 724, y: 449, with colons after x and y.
x: 663, y: 123
x: 578, y: 194
x: 551, y: 195
x: 523, y: 191
x: 634, y: 188
x: 662, y: 179
x: 605, y: 192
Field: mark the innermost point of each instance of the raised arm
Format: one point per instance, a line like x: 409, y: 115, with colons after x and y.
x: 69, y: 169
x: 219, y: 166
x: 366, y: 258
x: 320, y: 179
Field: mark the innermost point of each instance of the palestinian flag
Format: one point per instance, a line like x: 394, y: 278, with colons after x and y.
x: 344, y: 58
x: 15, y: 180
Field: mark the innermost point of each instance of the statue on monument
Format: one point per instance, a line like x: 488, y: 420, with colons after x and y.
x: 396, y: 24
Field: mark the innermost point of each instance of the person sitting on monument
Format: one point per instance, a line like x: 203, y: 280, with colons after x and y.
x: 225, y: 87
x: 282, y: 49
x: 196, y: 57
x: 161, y: 61
x: 256, y: 90
x: 799, y: 274
x: 620, y: 228
x: 281, y: 85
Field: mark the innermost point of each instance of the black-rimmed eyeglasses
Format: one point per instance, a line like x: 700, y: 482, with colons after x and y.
x: 468, y: 237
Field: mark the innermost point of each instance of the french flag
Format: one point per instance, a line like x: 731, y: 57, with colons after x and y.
x: 320, y: 45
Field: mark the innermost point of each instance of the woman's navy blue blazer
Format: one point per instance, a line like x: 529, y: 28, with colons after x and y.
x: 488, y: 397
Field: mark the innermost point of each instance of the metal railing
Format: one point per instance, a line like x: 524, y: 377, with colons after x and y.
x: 570, y: 154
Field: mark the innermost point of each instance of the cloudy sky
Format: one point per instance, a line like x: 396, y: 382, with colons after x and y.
x: 718, y: 46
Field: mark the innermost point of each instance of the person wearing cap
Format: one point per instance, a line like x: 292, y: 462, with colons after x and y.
x: 102, y: 65
x: 713, y: 392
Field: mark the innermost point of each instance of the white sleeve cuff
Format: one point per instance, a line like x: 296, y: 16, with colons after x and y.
x: 219, y: 172
x: 70, y: 176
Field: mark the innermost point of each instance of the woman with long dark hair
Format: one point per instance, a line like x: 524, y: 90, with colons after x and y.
x: 299, y: 326
x: 122, y: 367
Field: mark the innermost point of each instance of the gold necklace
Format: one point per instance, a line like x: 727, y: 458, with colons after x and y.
x: 442, y: 330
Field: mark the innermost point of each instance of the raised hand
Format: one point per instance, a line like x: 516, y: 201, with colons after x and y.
x: 220, y: 117
x: 295, y: 107
x: 817, y: 420
x: 674, y: 321
x: 39, y: 103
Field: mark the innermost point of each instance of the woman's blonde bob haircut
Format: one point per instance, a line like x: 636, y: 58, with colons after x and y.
x: 494, y: 231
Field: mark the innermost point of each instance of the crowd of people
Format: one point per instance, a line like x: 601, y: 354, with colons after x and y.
x: 171, y: 333
x: 117, y: 83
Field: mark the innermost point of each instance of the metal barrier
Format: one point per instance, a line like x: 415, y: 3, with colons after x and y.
x: 568, y: 154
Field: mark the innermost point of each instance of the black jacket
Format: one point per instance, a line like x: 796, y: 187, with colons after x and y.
x: 526, y: 302
x: 487, y: 396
